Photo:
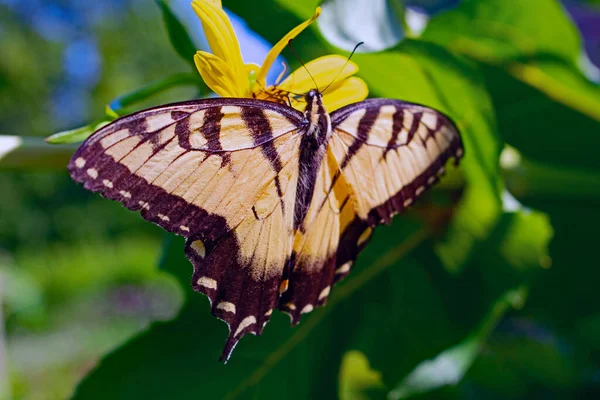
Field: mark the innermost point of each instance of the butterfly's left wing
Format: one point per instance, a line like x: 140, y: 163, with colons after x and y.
x: 220, y: 172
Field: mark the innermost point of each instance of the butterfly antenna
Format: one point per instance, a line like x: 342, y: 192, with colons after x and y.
x: 280, y: 78
x: 344, y: 67
x: 298, y: 58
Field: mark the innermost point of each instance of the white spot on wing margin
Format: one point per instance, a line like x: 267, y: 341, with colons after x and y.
x: 307, y: 308
x: 324, y: 293
x: 226, y: 306
x: 80, y: 162
x: 246, y: 322
x: 93, y: 173
x: 207, y: 282
x: 344, y: 268
x: 198, y: 247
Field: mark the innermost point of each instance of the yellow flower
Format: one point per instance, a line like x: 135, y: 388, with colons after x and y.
x: 225, y: 72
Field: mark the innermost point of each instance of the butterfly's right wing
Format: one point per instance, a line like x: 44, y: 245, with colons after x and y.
x: 222, y: 173
x: 389, y: 153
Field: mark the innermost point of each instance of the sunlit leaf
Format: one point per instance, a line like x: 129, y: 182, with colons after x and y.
x: 449, y: 367
x: 78, y: 134
x: 344, y: 23
x: 357, y: 377
x: 527, y: 240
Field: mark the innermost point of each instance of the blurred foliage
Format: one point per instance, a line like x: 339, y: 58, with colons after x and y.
x: 486, y: 289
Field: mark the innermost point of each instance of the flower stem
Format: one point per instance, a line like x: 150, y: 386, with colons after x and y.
x: 21, y: 152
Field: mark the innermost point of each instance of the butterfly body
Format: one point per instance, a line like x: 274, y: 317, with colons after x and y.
x: 275, y: 204
x: 313, y: 146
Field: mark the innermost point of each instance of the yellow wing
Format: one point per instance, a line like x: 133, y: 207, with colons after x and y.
x: 390, y: 152
x: 220, y: 172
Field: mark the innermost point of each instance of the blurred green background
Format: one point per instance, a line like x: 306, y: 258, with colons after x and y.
x: 486, y: 289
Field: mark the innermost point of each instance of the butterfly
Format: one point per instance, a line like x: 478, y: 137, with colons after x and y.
x: 275, y: 204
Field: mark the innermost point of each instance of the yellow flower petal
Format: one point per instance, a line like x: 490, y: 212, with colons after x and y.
x: 261, y: 78
x: 323, y: 70
x: 349, y: 91
x: 218, y: 75
x: 221, y: 38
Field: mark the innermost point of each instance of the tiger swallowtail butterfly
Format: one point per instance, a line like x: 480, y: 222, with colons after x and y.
x: 275, y: 204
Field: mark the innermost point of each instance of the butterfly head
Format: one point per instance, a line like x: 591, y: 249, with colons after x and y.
x: 314, y: 101
x: 311, y: 94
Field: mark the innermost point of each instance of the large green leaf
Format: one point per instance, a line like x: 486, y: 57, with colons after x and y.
x: 508, y: 29
x: 530, y: 50
x: 542, y: 127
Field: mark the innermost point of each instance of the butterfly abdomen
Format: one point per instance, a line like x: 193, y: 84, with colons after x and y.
x: 311, y: 155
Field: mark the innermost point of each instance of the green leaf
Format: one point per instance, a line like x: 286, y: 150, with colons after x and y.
x: 178, y: 35
x: 544, y: 129
x: 77, y: 135
x: 533, y: 42
x: 449, y: 367
x: 508, y: 29
x: 527, y: 239
x: 514, y: 366
x: 357, y: 377
x: 531, y: 179
x: 517, y: 247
